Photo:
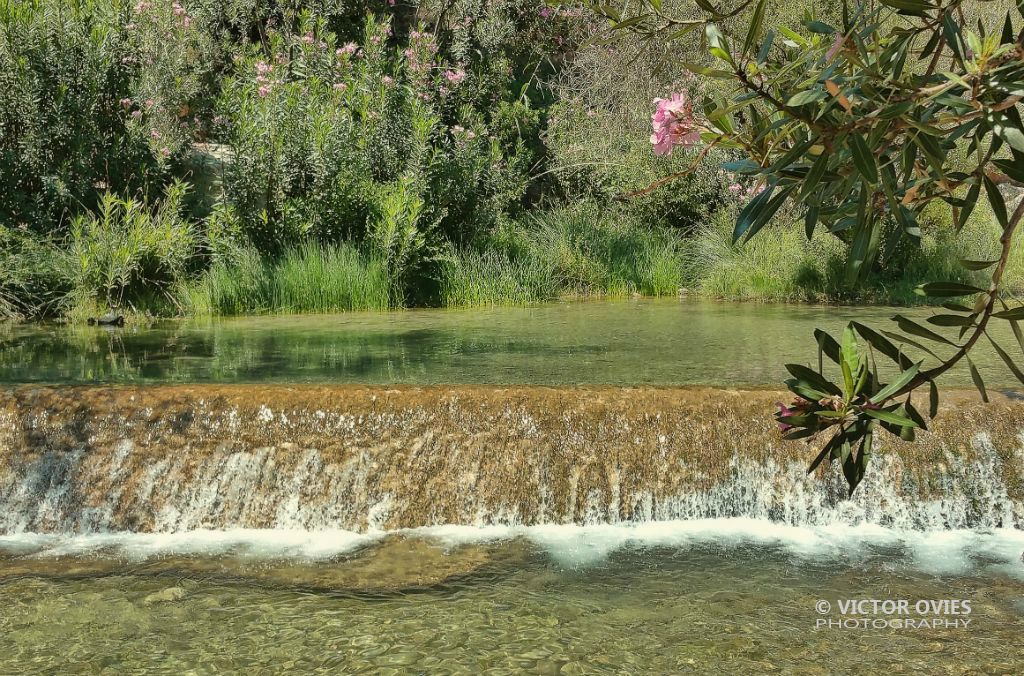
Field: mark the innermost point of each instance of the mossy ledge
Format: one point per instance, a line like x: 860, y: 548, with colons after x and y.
x: 182, y: 457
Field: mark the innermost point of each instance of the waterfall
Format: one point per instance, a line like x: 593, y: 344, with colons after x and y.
x: 166, y: 459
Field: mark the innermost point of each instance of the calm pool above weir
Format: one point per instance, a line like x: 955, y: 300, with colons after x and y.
x: 622, y: 342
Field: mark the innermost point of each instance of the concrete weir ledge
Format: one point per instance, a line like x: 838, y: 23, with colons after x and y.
x: 174, y: 458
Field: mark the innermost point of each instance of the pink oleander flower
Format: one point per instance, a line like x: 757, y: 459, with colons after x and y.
x: 142, y: 7
x: 837, y: 46
x: 149, y: 103
x: 546, y: 12
x: 375, y: 39
x: 784, y: 412
x: 388, y: 80
x: 186, y: 22
x: 455, y: 76
x: 308, y: 39
x: 263, y: 91
x: 348, y: 49
x: 674, y: 124
x: 136, y: 114
x: 391, y: 3
x: 154, y: 134
x: 409, y: 53
x: 340, y: 86
x: 126, y: 103
x: 736, y: 188
x: 177, y: 9
x: 755, y: 190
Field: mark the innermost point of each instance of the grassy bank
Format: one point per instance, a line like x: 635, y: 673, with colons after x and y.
x: 304, y: 157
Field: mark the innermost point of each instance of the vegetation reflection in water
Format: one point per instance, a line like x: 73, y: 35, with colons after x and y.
x: 606, y: 342
x: 505, y: 606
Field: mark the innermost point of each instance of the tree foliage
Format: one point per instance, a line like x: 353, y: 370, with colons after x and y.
x: 861, y: 124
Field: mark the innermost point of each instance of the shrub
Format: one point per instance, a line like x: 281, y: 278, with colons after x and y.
x: 129, y: 254
x: 63, y: 130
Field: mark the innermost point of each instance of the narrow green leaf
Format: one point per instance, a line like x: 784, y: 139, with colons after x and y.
x: 978, y: 381
x: 814, y: 175
x: 750, y: 212
x: 976, y: 265
x: 1007, y: 359
x: 915, y: 7
x: 933, y: 399
x: 827, y: 345
x: 951, y: 320
x: 970, y: 201
x: 946, y: 289
x: 863, y: 158
x: 805, y: 97
x: 896, y: 385
x: 754, y: 29
x: 995, y: 198
x: 889, y: 417
x: 883, y: 345
x: 915, y: 329
x: 812, y: 378
x: 1013, y: 314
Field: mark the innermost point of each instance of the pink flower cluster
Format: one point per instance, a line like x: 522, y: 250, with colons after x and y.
x: 348, y: 49
x: 454, y: 77
x: 674, y: 124
x: 739, y: 192
x: 263, y: 77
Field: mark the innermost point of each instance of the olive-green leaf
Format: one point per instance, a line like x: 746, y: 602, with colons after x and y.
x: 1007, y: 359
x: 889, y: 417
x: 915, y: 7
x: 976, y: 265
x: 896, y: 385
x: 946, y: 289
x: 995, y: 198
x: 951, y: 320
x: 812, y: 378
x: 1013, y: 314
x: 915, y: 329
x: 978, y: 381
x: 805, y: 97
x: 863, y: 158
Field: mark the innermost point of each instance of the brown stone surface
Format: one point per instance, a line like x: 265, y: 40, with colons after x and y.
x: 360, y: 457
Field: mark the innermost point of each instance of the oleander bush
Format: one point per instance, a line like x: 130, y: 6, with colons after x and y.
x: 463, y: 152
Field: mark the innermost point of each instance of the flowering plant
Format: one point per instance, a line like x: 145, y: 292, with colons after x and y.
x: 861, y: 125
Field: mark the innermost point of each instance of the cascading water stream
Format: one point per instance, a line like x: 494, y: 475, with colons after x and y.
x: 182, y: 458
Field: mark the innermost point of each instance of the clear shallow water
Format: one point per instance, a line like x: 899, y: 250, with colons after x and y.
x: 730, y: 596
x: 670, y: 342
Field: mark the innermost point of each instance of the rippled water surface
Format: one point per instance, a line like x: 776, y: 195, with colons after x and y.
x: 549, y: 601
x: 606, y: 342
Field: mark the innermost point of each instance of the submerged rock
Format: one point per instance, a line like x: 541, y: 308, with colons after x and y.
x: 109, y: 319
x: 169, y: 595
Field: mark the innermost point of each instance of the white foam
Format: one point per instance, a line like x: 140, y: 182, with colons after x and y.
x: 947, y: 552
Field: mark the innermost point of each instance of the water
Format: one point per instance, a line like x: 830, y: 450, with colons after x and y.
x: 179, y: 523
x: 629, y: 342
x: 728, y: 596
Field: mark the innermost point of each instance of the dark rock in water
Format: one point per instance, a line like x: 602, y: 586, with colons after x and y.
x: 109, y: 319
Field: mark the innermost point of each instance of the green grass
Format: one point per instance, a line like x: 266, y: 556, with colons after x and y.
x: 780, y: 265
x: 309, y: 278
x: 474, y: 279
x: 573, y: 251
